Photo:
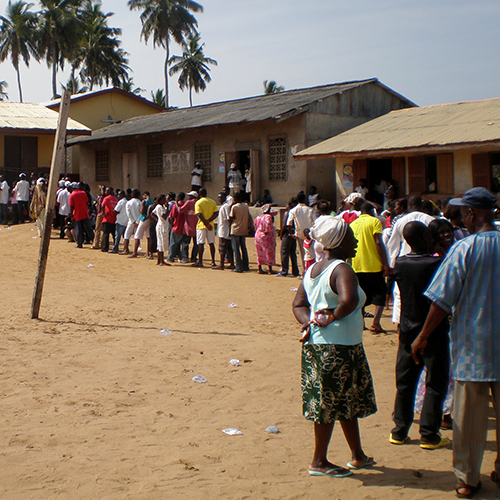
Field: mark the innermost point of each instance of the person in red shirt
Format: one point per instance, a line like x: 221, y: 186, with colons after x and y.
x: 191, y: 221
x: 78, y: 202
x: 179, y: 241
x: 108, y: 205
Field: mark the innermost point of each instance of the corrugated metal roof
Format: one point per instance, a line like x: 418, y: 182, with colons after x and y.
x: 252, y: 109
x: 472, y: 122
x: 35, y: 118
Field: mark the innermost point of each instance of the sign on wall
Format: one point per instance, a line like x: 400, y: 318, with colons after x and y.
x: 347, y: 177
x: 176, y: 163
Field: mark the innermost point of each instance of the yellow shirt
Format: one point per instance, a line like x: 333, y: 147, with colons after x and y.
x: 367, y: 259
x: 206, y: 207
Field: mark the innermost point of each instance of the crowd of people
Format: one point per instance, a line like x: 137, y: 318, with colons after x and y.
x: 443, y: 272
x: 439, y: 268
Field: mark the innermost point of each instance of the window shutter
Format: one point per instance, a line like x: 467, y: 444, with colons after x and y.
x: 445, y: 173
x: 359, y: 171
x: 399, y: 176
x: 416, y: 174
x: 481, y: 176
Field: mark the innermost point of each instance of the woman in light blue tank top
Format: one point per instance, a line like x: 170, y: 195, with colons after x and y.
x: 336, y: 380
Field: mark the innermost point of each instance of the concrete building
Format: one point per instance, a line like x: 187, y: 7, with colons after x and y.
x: 27, y: 133
x: 156, y: 153
x: 440, y: 150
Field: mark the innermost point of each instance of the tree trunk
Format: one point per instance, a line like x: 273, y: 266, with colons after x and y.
x: 167, y: 57
x: 19, y: 84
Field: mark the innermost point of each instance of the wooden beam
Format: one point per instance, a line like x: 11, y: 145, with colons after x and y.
x: 55, y: 168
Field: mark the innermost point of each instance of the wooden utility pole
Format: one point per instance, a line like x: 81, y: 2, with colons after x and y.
x: 55, y: 168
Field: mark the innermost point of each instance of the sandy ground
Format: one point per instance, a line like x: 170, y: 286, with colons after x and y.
x: 96, y: 403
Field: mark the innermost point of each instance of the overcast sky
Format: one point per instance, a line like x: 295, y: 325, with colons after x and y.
x: 430, y: 51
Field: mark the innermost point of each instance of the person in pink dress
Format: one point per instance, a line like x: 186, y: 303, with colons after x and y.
x: 265, y: 239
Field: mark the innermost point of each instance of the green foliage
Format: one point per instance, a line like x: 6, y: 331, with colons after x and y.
x: 158, y: 97
x: 271, y: 87
x: 127, y: 84
x: 3, y: 93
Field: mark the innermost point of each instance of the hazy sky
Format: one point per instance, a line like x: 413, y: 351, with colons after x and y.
x: 429, y: 51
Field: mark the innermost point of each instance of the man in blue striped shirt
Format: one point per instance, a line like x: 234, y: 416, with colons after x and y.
x: 467, y: 285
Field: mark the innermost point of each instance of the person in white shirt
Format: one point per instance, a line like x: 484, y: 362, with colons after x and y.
x: 160, y: 212
x: 362, y: 189
x: 121, y: 220
x: 4, y: 199
x: 63, y: 207
x: 234, y: 179
x: 224, y: 232
x: 196, y: 176
x: 301, y: 217
x: 22, y: 191
x: 133, y: 210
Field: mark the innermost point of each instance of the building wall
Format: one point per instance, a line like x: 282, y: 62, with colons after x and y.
x: 228, y: 139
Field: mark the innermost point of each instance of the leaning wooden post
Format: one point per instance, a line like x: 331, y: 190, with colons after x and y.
x: 55, y: 167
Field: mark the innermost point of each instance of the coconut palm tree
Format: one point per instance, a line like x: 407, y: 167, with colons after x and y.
x: 60, y: 31
x: 16, y: 36
x: 192, y: 66
x: 3, y: 93
x: 98, y: 52
x: 271, y: 87
x: 158, y: 97
x: 166, y: 20
x: 74, y: 86
x: 127, y: 84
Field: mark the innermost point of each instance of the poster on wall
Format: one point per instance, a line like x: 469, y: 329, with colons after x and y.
x: 347, y: 177
x: 222, y: 163
x: 175, y: 163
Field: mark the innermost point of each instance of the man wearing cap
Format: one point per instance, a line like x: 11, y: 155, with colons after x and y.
x: 196, y: 175
x: 467, y: 284
x: 22, y: 191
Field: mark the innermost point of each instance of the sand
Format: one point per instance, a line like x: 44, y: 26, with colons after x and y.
x: 96, y: 403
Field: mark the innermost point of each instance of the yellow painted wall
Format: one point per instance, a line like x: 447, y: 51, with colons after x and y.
x: 45, y: 148
x: 93, y: 110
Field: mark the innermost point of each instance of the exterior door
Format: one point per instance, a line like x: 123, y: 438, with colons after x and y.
x: 229, y: 157
x: 130, y: 171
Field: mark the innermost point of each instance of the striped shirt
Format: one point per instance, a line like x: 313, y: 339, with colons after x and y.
x: 467, y: 284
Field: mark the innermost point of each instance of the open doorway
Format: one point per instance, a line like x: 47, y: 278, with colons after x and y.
x: 379, y: 178
x: 243, y: 165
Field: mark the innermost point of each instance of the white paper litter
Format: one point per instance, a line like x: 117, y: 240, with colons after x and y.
x: 273, y: 429
x: 199, y: 379
x: 233, y: 305
x: 90, y: 265
x: 165, y: 332
x: 293, y: 289
x: 232, y: 432
x: 234, y: 362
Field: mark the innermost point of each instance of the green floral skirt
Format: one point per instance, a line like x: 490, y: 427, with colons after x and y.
x: 336, y: 383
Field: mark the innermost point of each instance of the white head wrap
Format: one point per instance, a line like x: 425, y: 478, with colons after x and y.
x: 353, y: 198
x: 329, y: 231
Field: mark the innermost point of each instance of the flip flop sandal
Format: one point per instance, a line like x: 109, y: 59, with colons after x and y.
x: 333, y: 472
x: 473, y: 490
x: 367, y: 463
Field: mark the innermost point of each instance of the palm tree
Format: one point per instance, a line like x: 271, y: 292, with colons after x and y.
x: 3, y: 93
x: 192, y: 66
x: 74, y: 86
x: 164, y: 20
x: 60, y: 30
x: 16, y: 36
x: 98, y: 52
x: 271, y: 87
x: 158, y: 97
x: 127, y: 84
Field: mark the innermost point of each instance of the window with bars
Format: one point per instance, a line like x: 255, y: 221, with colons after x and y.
x: 154, y: 160
x: 278, y: 159
x: 102, y: 165
x: 203, y: 155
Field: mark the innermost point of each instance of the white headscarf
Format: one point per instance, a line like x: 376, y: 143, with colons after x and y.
x: 329, y: 231
x: 353, y: 198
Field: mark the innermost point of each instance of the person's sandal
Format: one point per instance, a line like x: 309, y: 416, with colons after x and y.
x: 472, y: 492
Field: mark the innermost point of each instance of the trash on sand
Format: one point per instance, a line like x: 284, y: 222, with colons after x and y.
x: 199, y: 379
x: 234, y: 362
x: 232, y: 432
x: 34, y: 237
x: 273, y: 429
x: 90, y: 265
x: 293, y: 289
x: 233, y: 305
x: 165, y: 332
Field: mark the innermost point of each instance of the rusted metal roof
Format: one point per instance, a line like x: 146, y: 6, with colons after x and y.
x: 439, y: 126
x: 17, y: 117
x: 253, y: 109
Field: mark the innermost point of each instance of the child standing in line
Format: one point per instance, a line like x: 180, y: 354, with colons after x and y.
x: 160, y: 214
x: 413, y: 273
